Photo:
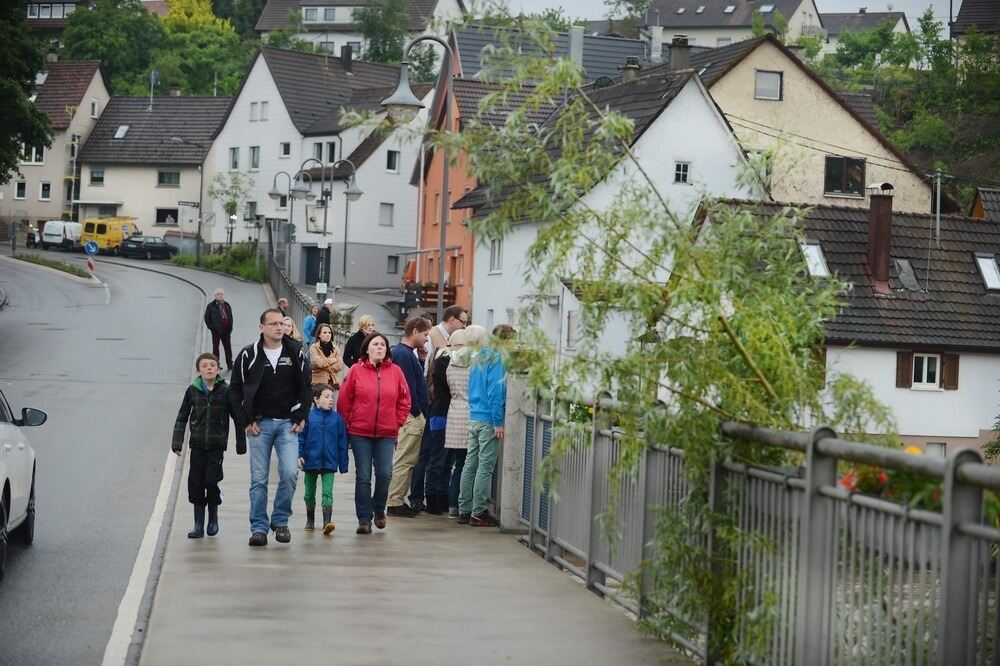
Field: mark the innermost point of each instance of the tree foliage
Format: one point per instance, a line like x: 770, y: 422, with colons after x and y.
x: 232, y: 189
x: 119, y: 33
x: 20, y: 60
x: 192, y: 16
x: 288, y: 37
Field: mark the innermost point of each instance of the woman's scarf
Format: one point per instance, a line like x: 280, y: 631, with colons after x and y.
x: 326, y: 347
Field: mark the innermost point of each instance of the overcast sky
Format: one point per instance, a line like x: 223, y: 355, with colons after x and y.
x: 596, y: 9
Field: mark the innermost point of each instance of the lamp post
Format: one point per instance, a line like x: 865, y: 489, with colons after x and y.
x: 402, y: 106
x: 296, y: 190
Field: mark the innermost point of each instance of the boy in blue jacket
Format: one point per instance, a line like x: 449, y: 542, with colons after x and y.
x: 487, y: 407
x: 322, y: 452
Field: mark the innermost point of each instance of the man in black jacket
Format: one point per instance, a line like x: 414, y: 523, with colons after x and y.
x: 219, y: 319
x: 323, y: 316
x: 271, y: 395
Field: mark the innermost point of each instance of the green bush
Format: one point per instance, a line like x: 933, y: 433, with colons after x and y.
x: 239, y: 260
x: 51, y: 263
x: 925, y: 132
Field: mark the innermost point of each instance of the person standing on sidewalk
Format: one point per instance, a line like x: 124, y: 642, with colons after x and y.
x: 309, y: 325
x: 456, y: 436
x: 454, y: 318
x: 352, y: 348
x: 322, y: 452
x: 415, y: 333
x: 206, y: 406
x: 375, y: 402
x: 324, y: 357
x: 283, y: 306
x: 271, y: 394
x: 219, y: 319
x: 487, y: 408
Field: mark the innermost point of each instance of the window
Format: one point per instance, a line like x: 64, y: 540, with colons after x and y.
x: 57, y: 11
x: 121, y: 131
x: 392, y: 161
x: 32, y: 154
x: 904, y: 270
x: 283, y: 201
x: 168, y: 179
x: 93, y: 108
x: 329, y: 47
x: 437, y: 207
x: 926, y: 370
x: 385, y: 214
x: 318, y: 151
x: 234, y: 159
x: 74, y: 144
x: 844, y: 176
x: 254, y: 158
x: 723, y: 41
x: 69, y: 10
x: 20, y: 190
x: 166, y: 216
x: 681, y: 172
x: 331, y: 151
x: 329, y: 14
x: 250, y: 211
x: 45, y: 191
x: 253, y: 112
x: 766, y: 9
x: 96, y: 176
x: 496, y: 255
x: 572, y: 328
x: 767, y: 85
x: 309, y: 14
x: 988, y: 268
x: 700, y: 10
x: 284, y: 149
x: 392, y: 265
x: 32, y: 11
x: 102, y: 228
x: 815, y: 261
x: 44, y: 11
x: 105, y: 211
x: 40, y: 78
x: 730, y: 9
x: 263, y: 111
x: 355, y: 47
x: 680, y: 10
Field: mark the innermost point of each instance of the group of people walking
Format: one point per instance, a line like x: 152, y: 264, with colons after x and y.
x: 423, y: 419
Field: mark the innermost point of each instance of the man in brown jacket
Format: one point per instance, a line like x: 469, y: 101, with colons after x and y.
x: 453, y: 318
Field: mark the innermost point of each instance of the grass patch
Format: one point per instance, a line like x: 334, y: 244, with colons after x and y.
x: 240, y: 260
x: 52, y: 263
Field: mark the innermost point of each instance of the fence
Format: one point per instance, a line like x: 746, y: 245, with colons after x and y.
x: 847, y: 578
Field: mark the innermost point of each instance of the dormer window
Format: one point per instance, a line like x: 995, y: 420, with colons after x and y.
x: 700, y: 10
x: 121, y: 131
x: 40, y: 78
x: 815, y: 261
x: 766, y: 9
x: 730, y: 9
x: 680, y: 10
x: 988, y: 269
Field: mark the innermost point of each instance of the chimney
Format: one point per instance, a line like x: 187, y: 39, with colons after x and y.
x: 656, y: 43
x: 175, y: 91
x: 880, y: 234
x: 576, y: 45
x: 346, y: 57
x: 51, y: 56
x: 863, y: 10
x: 680, y: 53
x: 630, y: 72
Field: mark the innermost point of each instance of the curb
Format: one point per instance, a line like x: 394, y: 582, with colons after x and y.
x: 91, y: 280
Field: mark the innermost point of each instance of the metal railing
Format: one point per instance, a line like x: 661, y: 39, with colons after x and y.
x: 845, y: 577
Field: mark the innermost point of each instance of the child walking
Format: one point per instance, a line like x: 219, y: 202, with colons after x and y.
x: 207, y: 408
x: 322, y: 452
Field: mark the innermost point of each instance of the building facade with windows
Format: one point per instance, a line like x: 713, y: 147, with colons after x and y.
x: 715, y: 23
x: 145, y: 161
x: 73, y: 95
x: 860, y: 21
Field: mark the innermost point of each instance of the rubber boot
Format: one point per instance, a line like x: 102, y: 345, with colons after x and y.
x: 310, y: 517
x: 198, y: 531
x: 212, y: 528
x: 328, y: 525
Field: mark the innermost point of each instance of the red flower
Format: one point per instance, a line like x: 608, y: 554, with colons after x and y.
x: 850, y: 480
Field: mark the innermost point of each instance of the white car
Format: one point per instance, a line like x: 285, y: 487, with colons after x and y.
x: 17, y: 474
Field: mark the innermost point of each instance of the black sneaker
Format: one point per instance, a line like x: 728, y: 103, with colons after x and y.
x: 464, y: 518
x: 417, y: 507
x: 485, y: 519
x: 282, y: 535
x: 402, y: 511
x: 364, y: 528
x: 258, y: 539
x: 453, y: 512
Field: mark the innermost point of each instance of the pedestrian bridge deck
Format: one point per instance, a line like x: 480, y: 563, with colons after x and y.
x: 423, y: 591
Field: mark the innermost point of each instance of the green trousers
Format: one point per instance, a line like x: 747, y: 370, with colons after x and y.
x: 310, y: 488
x: 477, y: 477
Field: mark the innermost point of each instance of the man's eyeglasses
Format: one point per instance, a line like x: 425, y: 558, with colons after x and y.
x: 464, y: 322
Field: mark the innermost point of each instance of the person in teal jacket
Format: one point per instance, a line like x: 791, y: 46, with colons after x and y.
x: 487, y: 407
x: 322, y: 453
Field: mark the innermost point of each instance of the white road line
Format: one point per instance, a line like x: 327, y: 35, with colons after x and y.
x: 128, y: 610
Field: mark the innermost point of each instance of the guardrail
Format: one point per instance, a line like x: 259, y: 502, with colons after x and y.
x: 850, y: 578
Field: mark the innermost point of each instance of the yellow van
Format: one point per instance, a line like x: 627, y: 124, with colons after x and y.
x: 108, y: 232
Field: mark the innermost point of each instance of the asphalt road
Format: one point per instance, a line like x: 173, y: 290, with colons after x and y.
x: 109, y: 368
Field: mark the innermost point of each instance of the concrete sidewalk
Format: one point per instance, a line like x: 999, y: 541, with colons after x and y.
x: 367, y: 302
x: 423, y: 591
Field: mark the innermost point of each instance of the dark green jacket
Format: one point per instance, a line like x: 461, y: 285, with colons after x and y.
x: 209, y: 415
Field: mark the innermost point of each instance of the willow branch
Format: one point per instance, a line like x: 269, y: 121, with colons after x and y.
x: 746, y: 356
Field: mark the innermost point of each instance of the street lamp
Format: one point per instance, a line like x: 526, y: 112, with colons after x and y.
x: 402, y: 106
x: 296, y: 190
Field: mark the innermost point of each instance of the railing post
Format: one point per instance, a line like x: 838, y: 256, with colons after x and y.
x: 961, y: 503
x: 817, y: 539
x: 646, y: 533
x: 594, y: 575
x: 714, y: 623
x: 510, y: 482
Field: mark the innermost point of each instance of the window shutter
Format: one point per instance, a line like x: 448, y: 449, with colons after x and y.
x: 904, y: 369
x: 949, y: 372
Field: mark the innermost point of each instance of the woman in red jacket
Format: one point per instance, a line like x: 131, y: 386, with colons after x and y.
x: 374, y: 402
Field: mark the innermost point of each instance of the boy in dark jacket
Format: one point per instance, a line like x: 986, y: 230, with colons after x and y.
x: 322, y: 452
x: 207, y: 407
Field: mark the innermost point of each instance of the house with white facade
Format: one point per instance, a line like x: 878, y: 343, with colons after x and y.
x: 722, y: 22
x: 146, y: 159
x: 73, y: 95
x: 286, y: 118
x: 920, y: 320
x: 681, y: 140
x: 331, y: 24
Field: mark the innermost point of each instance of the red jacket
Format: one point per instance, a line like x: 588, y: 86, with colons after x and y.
x: 374, y: 401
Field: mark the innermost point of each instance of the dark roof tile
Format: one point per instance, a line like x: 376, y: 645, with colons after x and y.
x: 984, y: 14
x: 864, y: 105
x: 836, y: 23
x: 989, y: 199
x: 65, y: 84
x: 714, y: 15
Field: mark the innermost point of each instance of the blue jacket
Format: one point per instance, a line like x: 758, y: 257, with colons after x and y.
x: 487, y: 388
x: 323, y: 442
x: 416, y: 381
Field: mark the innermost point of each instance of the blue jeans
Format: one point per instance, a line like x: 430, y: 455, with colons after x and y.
x: 369, y: 452
x: 454, y: 458
x: 429, y: 468
x: 274, y: 434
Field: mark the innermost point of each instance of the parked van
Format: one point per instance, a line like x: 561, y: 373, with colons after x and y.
x: 108, y: 232
x: 63, y: 235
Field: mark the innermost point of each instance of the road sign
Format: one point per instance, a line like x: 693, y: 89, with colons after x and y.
x: 320, y: 288
x: 90, y: 248
x: 189, y: 204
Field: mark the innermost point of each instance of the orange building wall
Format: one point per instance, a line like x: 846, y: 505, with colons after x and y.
x: 458, y: 262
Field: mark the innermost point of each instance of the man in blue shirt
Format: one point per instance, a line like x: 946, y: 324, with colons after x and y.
x: 415, y: 334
